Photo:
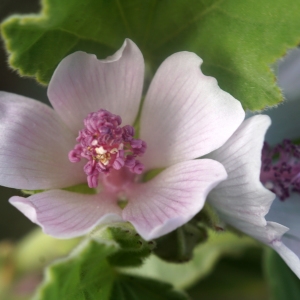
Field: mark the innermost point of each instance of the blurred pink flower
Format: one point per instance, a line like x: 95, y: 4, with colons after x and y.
x: 185, y: 115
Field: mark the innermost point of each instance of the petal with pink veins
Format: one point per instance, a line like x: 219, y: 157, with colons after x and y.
x: 34, y: 146
x: 82, y: 84
x: 242, y: 197
x: 64, y: 214
x: 242, y: 201
x: 172, y: 198
x: 185, y: 114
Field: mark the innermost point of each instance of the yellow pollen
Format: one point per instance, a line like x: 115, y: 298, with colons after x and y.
x: 103, y: 158
x: 114, y: 151
x: 100, y: 150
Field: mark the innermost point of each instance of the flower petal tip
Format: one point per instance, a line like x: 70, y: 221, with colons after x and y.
x: 186, y: 114
x: 163, y: 229
x: 25, y: 207
x: 173, y: 197
x: 114, y: 84
x: 64, y: 214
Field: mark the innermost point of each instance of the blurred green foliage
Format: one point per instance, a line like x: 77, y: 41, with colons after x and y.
x: 283, y: 283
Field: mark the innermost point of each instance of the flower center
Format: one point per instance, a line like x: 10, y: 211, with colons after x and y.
x: 106, y: 145
x: 280, y: 170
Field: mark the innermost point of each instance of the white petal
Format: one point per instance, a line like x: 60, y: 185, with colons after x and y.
x: 34, y: 146
x: 82, y: 84
x: 291, y: 259
x: 172, y: 198
x: 185, y: 114
x: 242, y: 197
x: 241, y: 200
x: 64, y: 214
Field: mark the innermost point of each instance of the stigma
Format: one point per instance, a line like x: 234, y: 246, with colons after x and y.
x: 106, y: 146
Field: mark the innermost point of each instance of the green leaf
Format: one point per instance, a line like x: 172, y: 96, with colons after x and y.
x: 238, y: 40
x: 283, y: 283
x: 137, y: 288
x: 81, y: 188
x: 205, y: 258
x: 178, y: 246
x: 89, y: 271
x: 85, y: 274
x: 151, y: 174
x: 133, y: 249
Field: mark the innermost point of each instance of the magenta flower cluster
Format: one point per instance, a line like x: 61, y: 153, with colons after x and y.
x: 280, y: 170
x: 106, y: 145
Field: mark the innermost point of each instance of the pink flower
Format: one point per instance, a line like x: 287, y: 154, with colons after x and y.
x: 185, y: 115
